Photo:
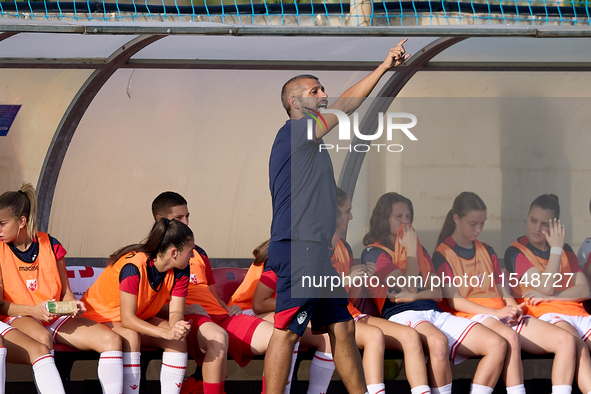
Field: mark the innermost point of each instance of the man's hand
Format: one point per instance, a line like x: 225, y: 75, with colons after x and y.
x: 396, y: 56
x: 234, y: 310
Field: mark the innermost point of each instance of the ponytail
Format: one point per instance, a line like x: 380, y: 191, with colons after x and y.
x: 448, y: 227
x: 261, y: 253
x: 22, y: 202
x: 464, y: 203
x: 164, y: 234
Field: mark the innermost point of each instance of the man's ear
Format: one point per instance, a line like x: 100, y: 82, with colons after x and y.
x: 294, y: 102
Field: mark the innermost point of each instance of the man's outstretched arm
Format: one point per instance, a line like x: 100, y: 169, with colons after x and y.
x: 353, y: 97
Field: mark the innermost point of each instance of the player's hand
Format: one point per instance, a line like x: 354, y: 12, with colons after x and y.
x: 508, y: 312
x: 195, y: 309
x: 402, y: 296
x: 396, y: 56
x: 41, y: 313
x: 179, y: 331
x: 513, y: 321
x: 234, y: 310
x: 408, y: 239
x: 357, y: 271
x: 555, y: 237
x: 534, y: 298
x: 371, y: 269
x: 81, y: 309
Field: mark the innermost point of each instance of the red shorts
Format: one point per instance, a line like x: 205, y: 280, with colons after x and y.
x: 240, y: 329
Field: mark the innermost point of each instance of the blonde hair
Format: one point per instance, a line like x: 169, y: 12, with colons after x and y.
x: 22, y: 202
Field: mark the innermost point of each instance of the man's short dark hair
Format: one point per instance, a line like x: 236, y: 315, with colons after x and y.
x: 163, y: 204
x: 292, y: 88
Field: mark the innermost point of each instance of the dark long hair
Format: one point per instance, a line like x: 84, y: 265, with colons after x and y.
x: 379, y: 225
x: 549, y: 202
x: 463, y: 205
x: 22, y: 202
x: 164, y: 234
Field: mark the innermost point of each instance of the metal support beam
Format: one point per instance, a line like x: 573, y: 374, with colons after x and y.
x: 67, y: 126
x: 417, y: 62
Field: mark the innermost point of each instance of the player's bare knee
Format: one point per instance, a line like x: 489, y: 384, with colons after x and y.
x: 44, y: 337
x: 513, y: 342
x: 497, y: 347
x: 410, y: 340
x: 438, y: 348
x: 110, y: 341
x: 131, y: 341
x: 564, y: 343
x: 217, y: 339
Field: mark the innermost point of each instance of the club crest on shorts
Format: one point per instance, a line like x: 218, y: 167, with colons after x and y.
x: 302, y: 317
x: 193, y: 279
x: 32, y: 284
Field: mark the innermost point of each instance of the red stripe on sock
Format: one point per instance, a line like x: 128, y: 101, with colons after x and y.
x: 324, y: 359
x: 173, y: 366
x: 42, y: 358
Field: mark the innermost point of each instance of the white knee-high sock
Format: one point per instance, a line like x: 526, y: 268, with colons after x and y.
x: 378, y: 388
x: 518, y: 389
x: 2, y: 369
x: 294, y: 358
x: 480, y: 389
x: 110, y: 372
x: 132, y: 372
x: 321, y: 370
x: 172, y: 373
x: 562, y: 389
x: 420, y: 390
x: 442, y: 390
x: 47, y: 378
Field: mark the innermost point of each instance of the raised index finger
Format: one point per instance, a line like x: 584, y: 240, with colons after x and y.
x: 402, y: 42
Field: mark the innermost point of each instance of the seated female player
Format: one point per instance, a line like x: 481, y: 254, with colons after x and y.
x: 322, y: 366
x: 487, y: 299
x: 548, y: 277
x: 218, y: 330
x: 397, y: 336
x: 34, y: 272
x: 393, y: 246
x: 130, y: 292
